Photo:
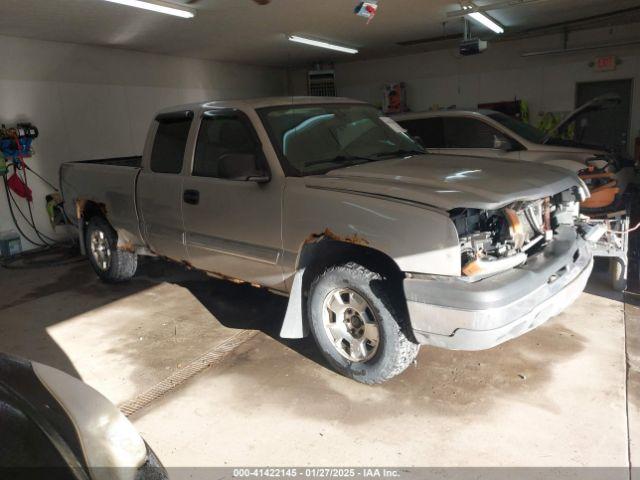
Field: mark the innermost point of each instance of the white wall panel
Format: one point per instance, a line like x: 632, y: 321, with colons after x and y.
x: 92, y: 102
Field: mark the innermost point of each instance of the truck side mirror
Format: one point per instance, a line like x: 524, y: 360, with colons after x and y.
x: 243, y: 167
x: 418, y: 140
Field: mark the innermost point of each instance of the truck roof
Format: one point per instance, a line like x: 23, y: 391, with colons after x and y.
x: 258, y: 103
x: 444, y: 113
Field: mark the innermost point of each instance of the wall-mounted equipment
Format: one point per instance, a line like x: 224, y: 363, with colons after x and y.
x: 607, y: 63
x: 15, y: 147
x: 321, y: 83
x: 15, y: 142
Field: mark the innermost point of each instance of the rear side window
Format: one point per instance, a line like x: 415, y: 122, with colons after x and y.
x: 430, y: 131
x: 169, y: 144
x: 460, y: 132
x: 220, y: 136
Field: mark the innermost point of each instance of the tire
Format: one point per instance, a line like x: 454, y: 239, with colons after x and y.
x: 618, y: 274
x: 363, y: 300
x: 111, y: 265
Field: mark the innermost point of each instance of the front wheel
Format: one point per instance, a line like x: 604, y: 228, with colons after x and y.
x: 359, y: 325
x: 111, y: 265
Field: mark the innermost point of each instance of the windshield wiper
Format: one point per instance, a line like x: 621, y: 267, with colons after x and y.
x: 400, y: 153
x: 341, y: 159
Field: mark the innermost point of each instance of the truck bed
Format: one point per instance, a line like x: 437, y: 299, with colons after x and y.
x: 132, y: 162
x: 111, y: 185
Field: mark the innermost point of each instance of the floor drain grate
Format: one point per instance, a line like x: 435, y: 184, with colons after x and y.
x: 209, y: 359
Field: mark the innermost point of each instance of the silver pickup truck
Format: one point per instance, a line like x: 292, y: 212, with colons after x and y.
x: 379, y: 246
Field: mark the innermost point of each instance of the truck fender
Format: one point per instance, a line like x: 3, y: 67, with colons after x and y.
x: 321, y: 250
x: 294, y: 325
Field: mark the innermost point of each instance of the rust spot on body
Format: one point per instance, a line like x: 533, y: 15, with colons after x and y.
x: 127, y: 247
x: 353, y: 239
x: 81, y: 206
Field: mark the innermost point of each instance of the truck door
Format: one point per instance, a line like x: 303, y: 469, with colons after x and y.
x: 159, y: 189
x: 231, y: 205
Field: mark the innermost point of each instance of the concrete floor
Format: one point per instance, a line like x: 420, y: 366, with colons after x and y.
x: 555, y: 397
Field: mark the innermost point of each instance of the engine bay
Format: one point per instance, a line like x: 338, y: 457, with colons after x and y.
x: 492, y: 241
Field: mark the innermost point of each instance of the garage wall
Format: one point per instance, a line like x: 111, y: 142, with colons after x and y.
x: 92, y: 102
x: 443, y: 78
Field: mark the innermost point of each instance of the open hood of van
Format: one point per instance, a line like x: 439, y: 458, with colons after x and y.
x: 603, y: 102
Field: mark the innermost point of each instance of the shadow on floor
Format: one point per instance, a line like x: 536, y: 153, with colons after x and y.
x: 236, y: 306
x: 600, y: 281
x: 26, y: 312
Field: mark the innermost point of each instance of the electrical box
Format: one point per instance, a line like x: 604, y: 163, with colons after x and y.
x: 10, y: 244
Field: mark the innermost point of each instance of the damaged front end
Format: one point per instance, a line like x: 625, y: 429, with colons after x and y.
x: 495, y: 241
x: 521, y: 265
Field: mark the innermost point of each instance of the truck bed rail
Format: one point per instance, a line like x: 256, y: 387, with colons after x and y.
x: 133, y: 162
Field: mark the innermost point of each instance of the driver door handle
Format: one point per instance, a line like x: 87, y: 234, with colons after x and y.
x: 191, y: 197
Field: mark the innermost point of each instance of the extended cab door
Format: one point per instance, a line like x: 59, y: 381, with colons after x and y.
x: 231, y: 204
x: 159, y: 188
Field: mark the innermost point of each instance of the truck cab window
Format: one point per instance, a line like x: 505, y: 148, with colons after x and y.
x: 428, y: 130
x: 169, y: 145
x: 220, y: 138
x: 462, y: 132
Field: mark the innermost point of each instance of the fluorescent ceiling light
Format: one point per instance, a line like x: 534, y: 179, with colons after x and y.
x: 156, y: 7
x: 318, y: 43
x: 486, y: 21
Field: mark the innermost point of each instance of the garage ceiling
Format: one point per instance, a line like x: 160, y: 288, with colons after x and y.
x: 242, y: 31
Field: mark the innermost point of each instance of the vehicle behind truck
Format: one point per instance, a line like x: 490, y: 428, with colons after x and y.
x: 380, y: 246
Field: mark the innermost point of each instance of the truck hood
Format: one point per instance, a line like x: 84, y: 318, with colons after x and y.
x: 568, y: 148
x: 448, y: 181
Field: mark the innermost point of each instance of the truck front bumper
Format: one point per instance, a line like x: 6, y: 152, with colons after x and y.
x: 459, y: 315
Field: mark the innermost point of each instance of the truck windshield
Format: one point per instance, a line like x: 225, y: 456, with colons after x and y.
x: 525, y: 130
x: 313, y: 139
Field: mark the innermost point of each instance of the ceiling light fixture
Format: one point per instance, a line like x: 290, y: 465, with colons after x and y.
x: 318, y: 43
x: 159, y: 7
x: 486, y: 21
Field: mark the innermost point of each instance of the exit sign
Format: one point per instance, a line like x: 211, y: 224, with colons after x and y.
x: 605, y: 64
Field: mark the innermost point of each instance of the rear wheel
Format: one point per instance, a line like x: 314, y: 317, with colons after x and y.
x: 359, y: 325
x: 111, y: 265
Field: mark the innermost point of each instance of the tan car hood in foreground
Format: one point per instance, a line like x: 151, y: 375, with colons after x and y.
x: 448, y: 181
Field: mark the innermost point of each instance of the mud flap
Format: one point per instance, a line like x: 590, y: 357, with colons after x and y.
x: 83, y: 246
x: 294, y: 325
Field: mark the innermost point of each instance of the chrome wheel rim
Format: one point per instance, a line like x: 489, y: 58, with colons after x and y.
x: 351, y: 325
x: 100, y: 249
